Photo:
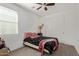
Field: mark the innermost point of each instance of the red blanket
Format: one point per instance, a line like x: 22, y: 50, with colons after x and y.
x: 43, y: 42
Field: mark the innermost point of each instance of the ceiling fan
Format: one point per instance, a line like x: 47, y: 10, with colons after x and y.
x: 45, y: 5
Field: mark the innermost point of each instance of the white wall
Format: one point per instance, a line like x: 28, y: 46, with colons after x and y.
x: 27, y: 21
x: 64, y: 25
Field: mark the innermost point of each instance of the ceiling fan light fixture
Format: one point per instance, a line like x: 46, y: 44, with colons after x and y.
x: 45, y: 8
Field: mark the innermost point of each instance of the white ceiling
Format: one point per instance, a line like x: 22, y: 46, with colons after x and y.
x: 59, y: 7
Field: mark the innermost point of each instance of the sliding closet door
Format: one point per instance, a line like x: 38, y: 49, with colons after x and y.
x: 72, y: 27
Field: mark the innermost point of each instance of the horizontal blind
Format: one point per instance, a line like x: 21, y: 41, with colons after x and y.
x: 8, y: 21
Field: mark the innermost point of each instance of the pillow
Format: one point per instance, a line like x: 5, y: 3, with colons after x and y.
x: 30, y: 34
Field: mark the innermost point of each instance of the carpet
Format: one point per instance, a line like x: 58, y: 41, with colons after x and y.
x: 64, y: 50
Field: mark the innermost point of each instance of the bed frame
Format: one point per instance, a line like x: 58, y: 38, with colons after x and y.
x: 34, y: 46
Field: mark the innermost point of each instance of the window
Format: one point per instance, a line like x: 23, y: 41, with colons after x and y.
x: 8, y: 21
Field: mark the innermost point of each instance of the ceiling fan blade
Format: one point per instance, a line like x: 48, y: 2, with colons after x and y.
x: 39, y: 7
x: 45, y: 8
x: 39, y: 3
x: 50, y: 4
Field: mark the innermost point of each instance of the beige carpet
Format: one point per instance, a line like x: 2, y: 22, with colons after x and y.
x: 64, y: 50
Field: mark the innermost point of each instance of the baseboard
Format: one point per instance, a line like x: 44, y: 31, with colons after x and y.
x: 17, y: 48
x: 77, y: 48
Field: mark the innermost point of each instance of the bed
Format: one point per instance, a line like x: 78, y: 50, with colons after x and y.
x: 34, y: 40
